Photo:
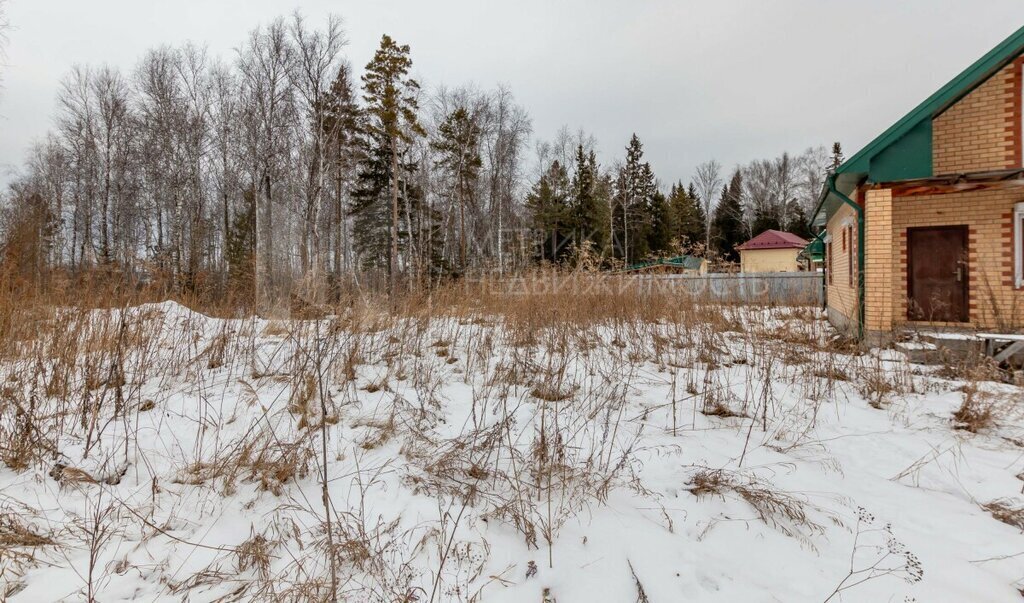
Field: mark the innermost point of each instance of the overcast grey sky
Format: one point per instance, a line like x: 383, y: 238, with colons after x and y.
x: 729, y: 79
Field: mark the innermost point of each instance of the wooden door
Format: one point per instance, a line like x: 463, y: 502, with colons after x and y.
x: 937, y: 274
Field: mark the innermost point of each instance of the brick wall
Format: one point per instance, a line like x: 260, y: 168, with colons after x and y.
x: 878, y: 263
x: 981, y: 132
x: 842, y: 298
x: 993, y: 301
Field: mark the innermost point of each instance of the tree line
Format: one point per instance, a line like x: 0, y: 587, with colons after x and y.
x: 625, y: 215
x: 250, y: 174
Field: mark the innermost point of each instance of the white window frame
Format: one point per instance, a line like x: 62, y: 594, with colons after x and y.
x: 1018, y: 245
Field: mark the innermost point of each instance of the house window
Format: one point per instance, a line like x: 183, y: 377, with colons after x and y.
x: 828, y: 261
x: 844, y: 238
x: 1018, y: 244
x: 848, y: 233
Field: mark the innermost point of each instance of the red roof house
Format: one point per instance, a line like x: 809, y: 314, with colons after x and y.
x: 771, y: 251
x: 774, y: 239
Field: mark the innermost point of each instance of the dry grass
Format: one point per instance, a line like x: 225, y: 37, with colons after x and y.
x: 976, y: 413
x: 786, y: 512
x: 551, y: 362
x: 14, y: 533
x: 259, y: 458
x: 19, y: 546
x: 1007, y: 511
x: 982, y: 409
x: 256, y: 555
x: 552, y: 392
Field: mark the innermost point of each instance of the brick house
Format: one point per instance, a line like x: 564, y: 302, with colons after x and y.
x: 925, y: 225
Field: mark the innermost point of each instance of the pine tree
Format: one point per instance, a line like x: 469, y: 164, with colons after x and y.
x: 390, y: 96
x: 727, y: 223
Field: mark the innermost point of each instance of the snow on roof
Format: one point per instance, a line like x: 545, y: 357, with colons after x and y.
x: 775, y: 239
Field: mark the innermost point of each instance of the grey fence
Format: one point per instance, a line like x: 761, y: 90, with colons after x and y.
x: 768, y: 288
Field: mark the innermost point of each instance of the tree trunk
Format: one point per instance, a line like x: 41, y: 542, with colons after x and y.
x: 104, y: 226
x: 501, y: 257
x: 339, y: 218
x: 177, y: 239
x: 625, y: 235
x: 393, y: 260
x: 227, y: 230
x: 462, y: 234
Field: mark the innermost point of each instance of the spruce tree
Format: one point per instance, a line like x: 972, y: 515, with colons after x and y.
x: 605, y: 195
x: 416, y: 233
x: 550, y: 213
x: 341, y: 129
x: 371, y: 209
x: 419, y: 233
x: 240, y: 244
x: 837, y: 157
x: 765, y: 218
x: 340, y: 123
x: 589, y: 212
x: 664, y: 229
x: 636, y: 189
x: 688, y: 216
x: 727, y: 223
x: 798, y: 223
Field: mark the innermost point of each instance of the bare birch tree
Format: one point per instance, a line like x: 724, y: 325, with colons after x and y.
x: 708, y: 182
x: 265, y: 63
x: 316, y: 63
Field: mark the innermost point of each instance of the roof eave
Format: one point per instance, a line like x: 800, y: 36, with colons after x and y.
x: 858, y: 168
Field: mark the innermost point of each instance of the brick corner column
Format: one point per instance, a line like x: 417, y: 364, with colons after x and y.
x: 878, y: 261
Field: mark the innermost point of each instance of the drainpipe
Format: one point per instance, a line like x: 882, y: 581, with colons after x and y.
x: 831, y: 181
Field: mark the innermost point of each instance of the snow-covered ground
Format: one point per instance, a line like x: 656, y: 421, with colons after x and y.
x: 472, y: 460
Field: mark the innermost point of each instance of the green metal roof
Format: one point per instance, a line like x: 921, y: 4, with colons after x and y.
x: 686, y: 262
x: 815, y: 250
x: 904, y: 150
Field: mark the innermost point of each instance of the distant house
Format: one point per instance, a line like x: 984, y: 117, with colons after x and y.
x: 925, y: 225
x: 812, y: 258
x: 683, y: 264
x: 771, y: 251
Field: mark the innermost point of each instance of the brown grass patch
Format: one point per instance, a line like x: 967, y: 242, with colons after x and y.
x: 14, y: 533
x: 549, y: 392
x: 780, y: 510
x: 1007, y: 511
